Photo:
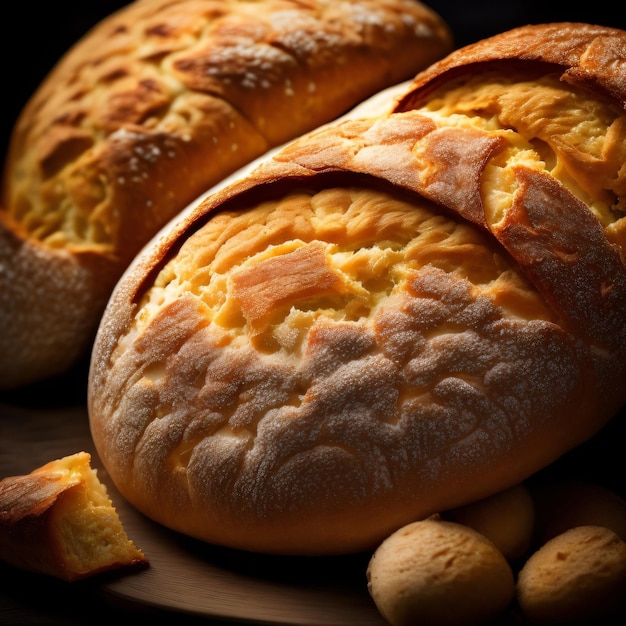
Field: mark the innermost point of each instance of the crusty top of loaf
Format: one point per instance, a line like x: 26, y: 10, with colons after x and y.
x: 393, y: 316
x: 165, y: 98
x: 585, y: 54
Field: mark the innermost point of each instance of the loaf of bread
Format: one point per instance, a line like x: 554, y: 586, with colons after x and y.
x: 152, y: 107
x: 59, y: 520
x: 393, y: 316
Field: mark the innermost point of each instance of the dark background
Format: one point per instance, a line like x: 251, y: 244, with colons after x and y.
x: 33, y: 36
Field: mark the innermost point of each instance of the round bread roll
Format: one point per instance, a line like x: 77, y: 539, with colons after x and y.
x: 155, y: 105
x: 564, y: 504
x: 506, y: 518
x: 394, y: 316
x: 577, y: 577
x: 439, y: 573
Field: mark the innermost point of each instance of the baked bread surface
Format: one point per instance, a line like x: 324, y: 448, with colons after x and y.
x: 155, y: 105
x: 392, y: 317
x: 59, y: 520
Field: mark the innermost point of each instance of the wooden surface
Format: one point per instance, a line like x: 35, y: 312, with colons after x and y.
x: 185, y: 577
x: 194, y: 581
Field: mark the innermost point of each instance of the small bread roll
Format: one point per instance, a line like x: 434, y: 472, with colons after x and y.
x: 439, y: 573
x: 507, y: 519
x: 59, y: 520
x: 564, y: 504
x: 575, y: 577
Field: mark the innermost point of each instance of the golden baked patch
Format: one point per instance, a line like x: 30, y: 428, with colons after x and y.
x: 279, y: 266
x: 553, y: 125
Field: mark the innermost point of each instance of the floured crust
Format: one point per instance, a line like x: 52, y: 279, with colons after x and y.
x: 59, y: 520
x: 155, y: 105
x: 392, y: 317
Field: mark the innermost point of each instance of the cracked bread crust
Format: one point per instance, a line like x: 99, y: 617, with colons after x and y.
x: 155, y: 105
x: 392, y: 317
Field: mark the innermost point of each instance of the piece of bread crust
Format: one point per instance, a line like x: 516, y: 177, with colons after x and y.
x: 586, y: 55
x: 156, y: 104
x: 59, y: 520
x: 392, y: 317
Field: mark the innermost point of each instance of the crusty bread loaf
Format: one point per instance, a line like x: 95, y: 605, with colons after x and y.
x: 153, y: 106
x: 59, y: 520
x: 392, y: 317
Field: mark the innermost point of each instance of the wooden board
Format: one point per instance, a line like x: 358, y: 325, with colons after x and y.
x: 191, y: 578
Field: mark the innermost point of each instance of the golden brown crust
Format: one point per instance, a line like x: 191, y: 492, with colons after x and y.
x: 391, y: 317
x: 59, y: 520
x: 155, y: 105
x: 584, y: 54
